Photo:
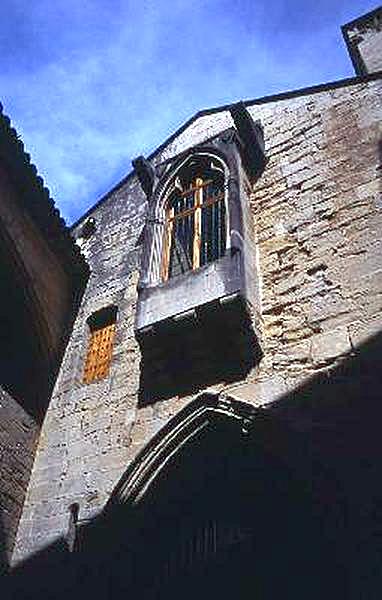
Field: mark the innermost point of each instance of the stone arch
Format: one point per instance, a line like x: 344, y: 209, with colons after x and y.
x: 206, y: 508
x: 206, y: 410
x: 164, y: 187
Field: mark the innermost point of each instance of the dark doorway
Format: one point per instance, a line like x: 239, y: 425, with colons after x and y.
x: 222, y: 520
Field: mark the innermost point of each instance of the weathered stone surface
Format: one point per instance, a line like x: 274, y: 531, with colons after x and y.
x: 18, y: 437
x: 364, y: 40
x: 317, y: 224
x: 330, y: 345
x: 261, y: 392
x: 361, y: 331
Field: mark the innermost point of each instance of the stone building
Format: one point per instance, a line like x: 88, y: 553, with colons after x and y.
x: 42, y: 275
x: 214, y: 425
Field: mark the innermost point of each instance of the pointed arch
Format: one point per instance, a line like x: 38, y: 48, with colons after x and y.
x: 208, y: 410
x: 211, y: 505
x: 188, y: 199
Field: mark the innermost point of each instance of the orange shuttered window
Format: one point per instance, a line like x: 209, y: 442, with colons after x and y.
x: 99, y: 354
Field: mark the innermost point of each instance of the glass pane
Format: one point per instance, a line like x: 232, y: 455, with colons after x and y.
x: 210, y: 220
x: 213, y: 223
x: 181, y: 245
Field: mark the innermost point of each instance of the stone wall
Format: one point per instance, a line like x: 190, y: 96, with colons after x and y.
x: 18, y: 437
x: 35, y: 311
x: 317, y: 222
x: 364, y: 40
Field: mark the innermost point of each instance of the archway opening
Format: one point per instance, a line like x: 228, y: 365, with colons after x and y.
x: 222, y: 518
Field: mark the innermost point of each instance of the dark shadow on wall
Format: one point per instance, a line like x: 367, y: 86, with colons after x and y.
x: 379, y: 168
x: 181, y: 358
x: 296, y: 496
x: 4, y: 566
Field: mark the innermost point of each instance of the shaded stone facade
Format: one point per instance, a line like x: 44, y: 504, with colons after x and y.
x: 41, y: 274
x: 315, y: 220
x: 18, y: 435
x: 316, y: 214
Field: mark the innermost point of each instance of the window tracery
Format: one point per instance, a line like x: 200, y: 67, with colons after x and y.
x: 198, y: 247
x: 195, y: 219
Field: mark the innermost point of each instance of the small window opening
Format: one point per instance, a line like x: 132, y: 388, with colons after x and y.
x: 195, y: 228
x: 100, y: 348
x: 71, y: 536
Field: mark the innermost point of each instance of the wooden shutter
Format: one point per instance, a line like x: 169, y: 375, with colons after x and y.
x: 100, y: 349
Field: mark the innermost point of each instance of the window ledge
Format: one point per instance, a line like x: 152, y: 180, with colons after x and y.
x: 194, y: 289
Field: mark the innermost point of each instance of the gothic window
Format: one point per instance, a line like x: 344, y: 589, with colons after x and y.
x: 195, y: 218
x: 198, y: 248
x: 100, y: 346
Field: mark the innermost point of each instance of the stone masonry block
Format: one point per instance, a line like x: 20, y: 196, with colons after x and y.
x: 330, y: 345
x: 261, y: 392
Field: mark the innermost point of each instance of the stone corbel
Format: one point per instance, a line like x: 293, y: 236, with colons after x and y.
x: 252, y: 135
x: 145, y: 173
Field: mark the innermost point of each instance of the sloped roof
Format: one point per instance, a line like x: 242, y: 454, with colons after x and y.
x: 35, y: 199
x: 209, y: 111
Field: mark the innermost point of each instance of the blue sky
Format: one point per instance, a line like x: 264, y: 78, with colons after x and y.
x: 91, y: 84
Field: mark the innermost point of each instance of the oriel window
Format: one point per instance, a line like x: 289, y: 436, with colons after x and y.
x: 195, y: 222
x: 100, y: 346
